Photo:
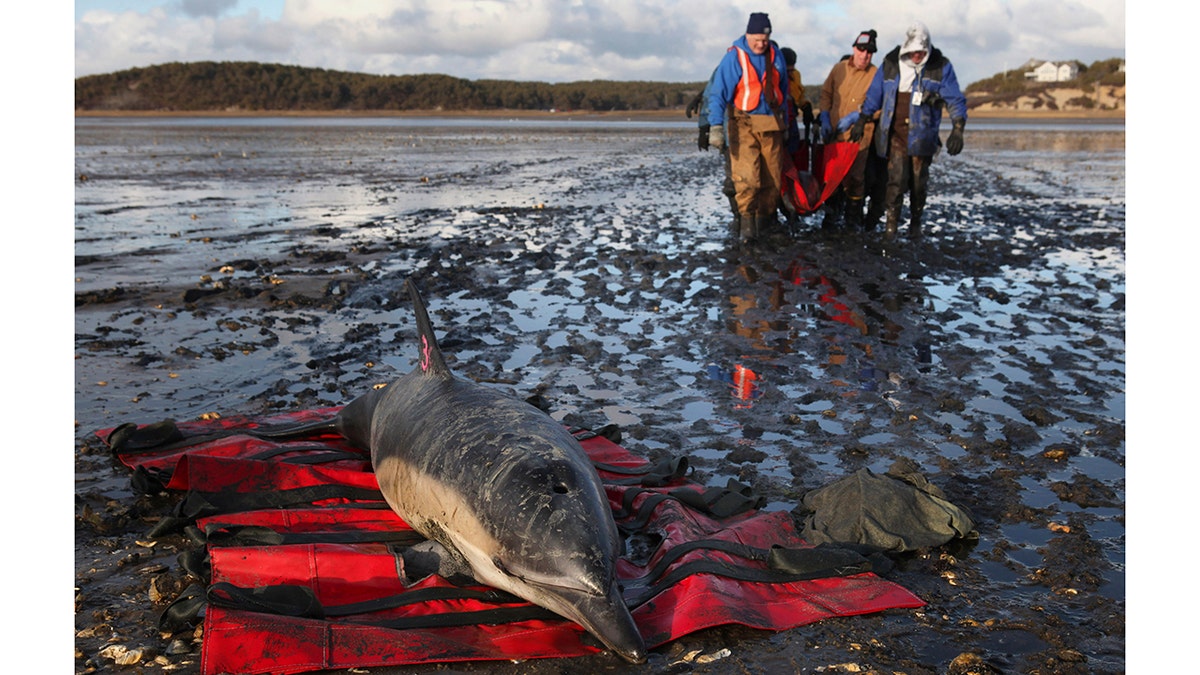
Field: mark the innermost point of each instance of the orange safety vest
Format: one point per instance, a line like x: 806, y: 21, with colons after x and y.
x: 750, y: 88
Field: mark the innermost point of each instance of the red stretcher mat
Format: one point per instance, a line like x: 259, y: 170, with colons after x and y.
x: 340, y: 548
x: 807, y: 190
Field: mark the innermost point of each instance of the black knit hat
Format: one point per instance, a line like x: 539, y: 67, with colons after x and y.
x: 758, y: 24
x: 866, y: 40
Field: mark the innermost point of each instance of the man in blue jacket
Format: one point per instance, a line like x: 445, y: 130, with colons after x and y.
x: 910, y: 88
x: 751, y: 85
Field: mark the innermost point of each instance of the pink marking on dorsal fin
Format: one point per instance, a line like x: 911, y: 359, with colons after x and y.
x: 426, y: 354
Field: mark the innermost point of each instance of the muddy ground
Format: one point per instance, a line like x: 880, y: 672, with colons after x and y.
x: 243, y: 266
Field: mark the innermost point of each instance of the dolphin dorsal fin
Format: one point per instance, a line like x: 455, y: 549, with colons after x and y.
x: 431, y: 363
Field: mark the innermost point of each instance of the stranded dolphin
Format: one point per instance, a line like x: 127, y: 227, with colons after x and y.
x: 501, y: 485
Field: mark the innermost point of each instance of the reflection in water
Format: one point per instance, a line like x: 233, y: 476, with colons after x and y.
x: 829, y: 297
x: 743, y: 383
x: 832, y: 305
x: 767, y: 313
x: 746, y: 322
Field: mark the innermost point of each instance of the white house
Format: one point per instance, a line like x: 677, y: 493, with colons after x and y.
x: 1068, y: 71
x: 1052, y: 72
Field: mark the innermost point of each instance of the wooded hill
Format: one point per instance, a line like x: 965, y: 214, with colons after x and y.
x: 246, y: 86
x: 209, y: 86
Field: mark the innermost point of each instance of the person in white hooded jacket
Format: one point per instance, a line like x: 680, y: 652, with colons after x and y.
x: 910, y: 89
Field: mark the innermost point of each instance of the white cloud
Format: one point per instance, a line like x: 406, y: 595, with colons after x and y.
x: 564, y: 40
x: 248, y: 34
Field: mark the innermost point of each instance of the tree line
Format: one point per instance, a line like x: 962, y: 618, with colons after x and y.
x: 250, y: 86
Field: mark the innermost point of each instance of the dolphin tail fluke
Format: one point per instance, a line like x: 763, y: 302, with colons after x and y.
x: 432, y: 362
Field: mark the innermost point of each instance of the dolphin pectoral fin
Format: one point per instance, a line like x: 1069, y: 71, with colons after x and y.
x: 430, y: 557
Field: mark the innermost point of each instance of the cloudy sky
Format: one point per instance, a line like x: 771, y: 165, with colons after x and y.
x: 568, y: 40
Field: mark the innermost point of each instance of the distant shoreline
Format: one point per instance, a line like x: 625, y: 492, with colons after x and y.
x: 637, y: 115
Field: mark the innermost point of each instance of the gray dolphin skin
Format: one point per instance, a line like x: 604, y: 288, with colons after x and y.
x: 501, y: 485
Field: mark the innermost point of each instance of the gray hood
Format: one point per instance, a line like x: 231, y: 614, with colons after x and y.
x: 916, y: 39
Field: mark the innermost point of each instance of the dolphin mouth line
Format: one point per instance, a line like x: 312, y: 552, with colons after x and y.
x: 585, y: 590
x: 579, y: 590
x: 582, y: 589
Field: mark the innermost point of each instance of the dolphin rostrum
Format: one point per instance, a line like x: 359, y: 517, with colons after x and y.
x: 501, y: 485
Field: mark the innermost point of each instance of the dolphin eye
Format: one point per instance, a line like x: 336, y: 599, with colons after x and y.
x: 561, y: 488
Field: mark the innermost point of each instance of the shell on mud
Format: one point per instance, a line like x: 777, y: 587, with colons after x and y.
x: 698, y: 656
x: 122, y: 655
x: 178, y: 647
x: 970, y: 664
x: 155, y: 594
x: 846, y: 668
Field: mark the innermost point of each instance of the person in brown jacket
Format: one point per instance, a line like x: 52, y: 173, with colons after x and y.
x: 841, y: 96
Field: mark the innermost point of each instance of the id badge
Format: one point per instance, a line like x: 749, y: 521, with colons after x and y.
x: 917, y: 97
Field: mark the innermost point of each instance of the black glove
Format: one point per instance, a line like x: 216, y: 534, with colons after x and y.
x: 859, y: 128
x: 702, y: 141
x: 955, y: 142
x: 694, y: 107
x: 806, y: 111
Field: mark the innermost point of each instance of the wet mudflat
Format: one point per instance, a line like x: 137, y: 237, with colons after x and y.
x: 244, y: 266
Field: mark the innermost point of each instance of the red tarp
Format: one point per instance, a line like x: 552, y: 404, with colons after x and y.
x: 242, y: 641
x: 806, y: 190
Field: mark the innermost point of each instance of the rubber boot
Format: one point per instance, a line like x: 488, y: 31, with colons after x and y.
x: 768, y: 224
x: 891, y: 224
x: 874, y: 213
x: 914, y: 229
x: 829, y: 221
x: 833, y: 211
x: 914, y: 222
x: 854, y: 213
x: 749, y: 229
x: 727, y: 187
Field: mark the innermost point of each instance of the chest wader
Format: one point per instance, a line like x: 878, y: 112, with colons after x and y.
x: 756, y: 165
x: 906, y: 173
x: 756, y: 149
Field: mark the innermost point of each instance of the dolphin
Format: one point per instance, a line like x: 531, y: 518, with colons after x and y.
x: 505, y: 488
